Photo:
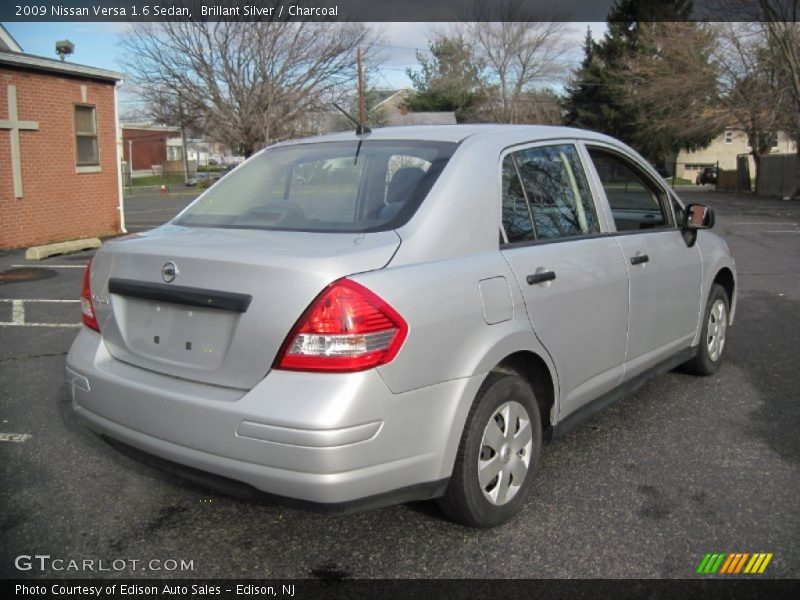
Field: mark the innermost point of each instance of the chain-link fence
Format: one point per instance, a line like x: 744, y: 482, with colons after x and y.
x: 733, y: 177
x: 692, y: 173
x: 170, y: 177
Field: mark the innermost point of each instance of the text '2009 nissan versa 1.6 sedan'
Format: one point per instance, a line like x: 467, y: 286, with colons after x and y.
x: 358, y: 320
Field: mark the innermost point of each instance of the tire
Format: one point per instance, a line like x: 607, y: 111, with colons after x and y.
x: 495, y: 439
x: 710, y: 351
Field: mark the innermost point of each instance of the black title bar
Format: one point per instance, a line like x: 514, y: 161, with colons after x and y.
x: 363, y: 10
x: 431, y: 589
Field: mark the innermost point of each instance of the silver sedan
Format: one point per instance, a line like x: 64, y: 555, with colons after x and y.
x: 358, y: 320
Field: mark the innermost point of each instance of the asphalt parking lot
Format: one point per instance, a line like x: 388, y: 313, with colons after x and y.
x: 684, y: 467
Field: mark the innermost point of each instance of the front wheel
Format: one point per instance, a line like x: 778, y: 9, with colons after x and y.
x: 497, y: 456
x: 713, y: 336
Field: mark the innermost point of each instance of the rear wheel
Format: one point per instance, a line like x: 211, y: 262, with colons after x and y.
x: 713, y: 336
x: 497, y: 456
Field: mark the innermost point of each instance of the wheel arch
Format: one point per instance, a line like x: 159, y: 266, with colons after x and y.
x: 725, y: 278
x: 518, y: 353
x: 534, y: 370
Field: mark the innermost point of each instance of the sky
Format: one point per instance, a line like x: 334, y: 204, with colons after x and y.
x: 97, y: 45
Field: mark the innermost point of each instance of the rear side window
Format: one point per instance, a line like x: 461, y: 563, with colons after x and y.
x: 555, y: 191
x: 517, y: 219
x: 326, y: 187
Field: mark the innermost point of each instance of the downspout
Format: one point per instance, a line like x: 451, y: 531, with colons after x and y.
x: 118, y: 134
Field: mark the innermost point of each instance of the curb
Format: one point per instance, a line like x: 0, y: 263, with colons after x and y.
x: 40, y: 252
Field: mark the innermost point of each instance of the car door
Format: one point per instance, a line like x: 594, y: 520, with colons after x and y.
x: 572, y: 275
x: 665, y: 273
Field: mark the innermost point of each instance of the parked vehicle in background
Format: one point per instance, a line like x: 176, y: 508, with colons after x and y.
x: 354, y: 321
x: 707, y: 175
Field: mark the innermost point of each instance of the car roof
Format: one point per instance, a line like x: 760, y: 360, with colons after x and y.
x: 458, y: 133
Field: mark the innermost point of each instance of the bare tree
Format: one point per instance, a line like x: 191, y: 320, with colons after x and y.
x: 748, y: 94
x: 671, y: 82
x: 516, y: 56
x: 779, y: 23
x: 248, y: 84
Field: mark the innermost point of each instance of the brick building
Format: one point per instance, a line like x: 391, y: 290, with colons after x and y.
x: 59, y: 156
x: 152, y: 146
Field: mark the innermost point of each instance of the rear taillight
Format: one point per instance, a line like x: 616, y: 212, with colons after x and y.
x: 87, y: 307
x: 346, y: 328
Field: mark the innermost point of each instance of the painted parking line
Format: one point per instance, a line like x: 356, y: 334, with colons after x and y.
x: 46, y: 266
x: 18, y: 313
x: 764, y: 223
x: 7, y: 324
x: 26, y: 300
x: 15, y: 437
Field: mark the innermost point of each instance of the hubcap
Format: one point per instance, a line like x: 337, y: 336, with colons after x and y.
x: 505, y: 453
x: 715, y: 332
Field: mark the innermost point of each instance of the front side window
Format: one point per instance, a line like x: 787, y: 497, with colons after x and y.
x: 636, y: 201
x: 555, y: 186
x: 374, y: 185
x: 86, y: 136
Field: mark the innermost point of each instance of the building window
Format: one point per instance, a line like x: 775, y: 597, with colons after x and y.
x: 772, y: 140
x: 729, y: 137
x: 174, y: 153
x: 86, y: 135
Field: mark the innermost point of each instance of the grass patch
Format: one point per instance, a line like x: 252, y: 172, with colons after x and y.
x: 168, y: 179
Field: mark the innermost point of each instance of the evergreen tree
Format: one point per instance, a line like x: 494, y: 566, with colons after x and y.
x: 602, y: 96
x: 591, y: 101
x: 447, y: 80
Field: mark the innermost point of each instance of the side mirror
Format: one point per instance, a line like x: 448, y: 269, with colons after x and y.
x: 698, y: 216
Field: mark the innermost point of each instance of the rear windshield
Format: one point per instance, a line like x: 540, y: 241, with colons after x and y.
x: 325, y: 187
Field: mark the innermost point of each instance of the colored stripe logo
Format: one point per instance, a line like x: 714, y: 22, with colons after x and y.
x: 734, y: 563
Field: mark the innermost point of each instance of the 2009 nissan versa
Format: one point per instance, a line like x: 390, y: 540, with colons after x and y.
x: 354, y: 320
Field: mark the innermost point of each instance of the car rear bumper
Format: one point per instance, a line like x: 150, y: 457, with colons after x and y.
x: 322, y: 438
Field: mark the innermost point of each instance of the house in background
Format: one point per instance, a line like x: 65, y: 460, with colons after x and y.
x: 152, y: 149
x: 392, y: 111
x: 59, y: 159
x: 393, y: 107
x: 724, y: 149
x: 207, y: 153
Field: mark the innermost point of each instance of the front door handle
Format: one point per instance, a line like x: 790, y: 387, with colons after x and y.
x: 540, y: 277
x: 640, y: 259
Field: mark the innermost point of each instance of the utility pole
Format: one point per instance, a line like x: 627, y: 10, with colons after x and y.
x: 362, y: 109
x: 361, y: 123
x: 130, y: 164
x: 182, y: 117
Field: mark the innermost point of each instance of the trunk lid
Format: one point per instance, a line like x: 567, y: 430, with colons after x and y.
x: 235, y: 295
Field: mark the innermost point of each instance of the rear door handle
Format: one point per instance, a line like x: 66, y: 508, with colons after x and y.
x: 540, y: 277
x: 640, y: 259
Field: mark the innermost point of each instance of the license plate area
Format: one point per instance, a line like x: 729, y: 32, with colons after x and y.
x: 175, y: 334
